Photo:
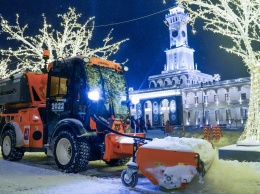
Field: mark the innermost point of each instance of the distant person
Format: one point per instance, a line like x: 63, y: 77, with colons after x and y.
x: 167, y: 123
x: 148, y: 124
x: 134, y: 124
x: 142, y: 125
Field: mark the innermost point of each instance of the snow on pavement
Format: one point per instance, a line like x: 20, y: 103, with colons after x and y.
x: 20, y: 179
x: 223, y: 177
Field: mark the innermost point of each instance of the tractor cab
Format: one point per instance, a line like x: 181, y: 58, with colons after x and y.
x: 79, y: 87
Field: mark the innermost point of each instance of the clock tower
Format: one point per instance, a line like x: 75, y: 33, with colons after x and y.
x: 179, y: 70
x: 180, y: 56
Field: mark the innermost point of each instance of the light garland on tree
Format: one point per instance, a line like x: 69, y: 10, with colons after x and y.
x: 71, y: 41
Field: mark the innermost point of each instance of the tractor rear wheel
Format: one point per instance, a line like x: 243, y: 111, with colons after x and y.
x: 118, y: 162
x: 70, y: 154
x: 129, y: 180
x: 9, y: 151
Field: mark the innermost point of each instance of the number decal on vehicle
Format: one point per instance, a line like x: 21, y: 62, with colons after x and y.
x: 57, y: 106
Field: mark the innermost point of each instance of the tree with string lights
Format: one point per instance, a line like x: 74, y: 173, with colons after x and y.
x: 73, y: 40
x: 238, y: 20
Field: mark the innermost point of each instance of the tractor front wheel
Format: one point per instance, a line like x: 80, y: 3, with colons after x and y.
x: 70, y: 154
x: 129, y: 180
x: 9, y: 151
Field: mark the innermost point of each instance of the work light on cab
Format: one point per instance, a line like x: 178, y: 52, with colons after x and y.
x: 93, y: 95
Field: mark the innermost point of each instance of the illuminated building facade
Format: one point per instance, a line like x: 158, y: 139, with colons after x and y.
x: 183, y: 95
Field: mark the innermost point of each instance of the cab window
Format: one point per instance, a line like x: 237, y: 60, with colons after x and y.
x: 58, y: 86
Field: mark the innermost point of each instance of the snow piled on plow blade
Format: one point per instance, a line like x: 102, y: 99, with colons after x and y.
x: 200, y: 146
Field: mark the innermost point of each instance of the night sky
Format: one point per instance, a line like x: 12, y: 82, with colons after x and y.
x: 149, y: 37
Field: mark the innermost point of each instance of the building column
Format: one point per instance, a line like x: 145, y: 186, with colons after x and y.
x: 155, y: 113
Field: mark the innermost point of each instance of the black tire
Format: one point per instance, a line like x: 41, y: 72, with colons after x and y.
x: 70, y: 154
x: 129, y: 181
x: 118, y: 162
x: 8, y: 149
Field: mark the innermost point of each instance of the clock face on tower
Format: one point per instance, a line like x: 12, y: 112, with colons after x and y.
x: 175, y: 33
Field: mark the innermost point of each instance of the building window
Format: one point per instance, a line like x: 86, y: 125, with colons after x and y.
x: 228, y: 115
x: 245, y: 111
x: 133, y: 106
x: 146, y: 105
x: 215, y: 98
x: 197, y: 117
x: 226, y: 97
x: 216, y: 115
x: 189, y: 116
x: 196, y: 99
x: 206, y: 99
x: 243, y: 96
x: 207, y: 117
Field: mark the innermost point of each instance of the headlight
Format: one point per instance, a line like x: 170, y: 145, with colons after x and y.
x: 93, y: 95
x: 135, y: 100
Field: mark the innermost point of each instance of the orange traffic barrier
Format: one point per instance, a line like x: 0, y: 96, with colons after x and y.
x: 215, y: 130
x: 207, y: 133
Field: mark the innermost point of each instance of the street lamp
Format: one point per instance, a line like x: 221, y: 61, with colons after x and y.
x: 202, y: 101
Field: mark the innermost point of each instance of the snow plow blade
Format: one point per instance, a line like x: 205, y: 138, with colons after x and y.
x: 167, y: 168
x: 118, y: 146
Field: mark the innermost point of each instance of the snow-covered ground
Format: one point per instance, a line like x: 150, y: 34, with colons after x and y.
x: 223, y: 177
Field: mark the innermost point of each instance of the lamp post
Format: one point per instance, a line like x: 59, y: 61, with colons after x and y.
x: 202, y: 101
